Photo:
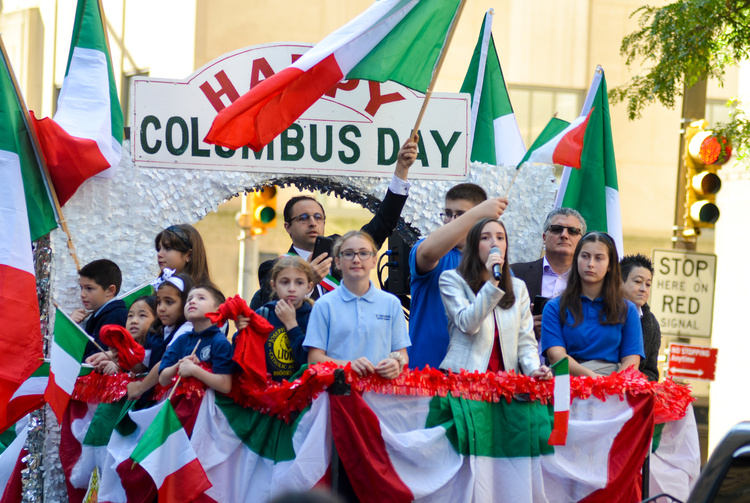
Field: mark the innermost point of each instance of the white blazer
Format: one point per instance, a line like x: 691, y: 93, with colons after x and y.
x: 471, y: 325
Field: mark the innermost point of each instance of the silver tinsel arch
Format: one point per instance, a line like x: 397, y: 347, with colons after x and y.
x: 118, y: 219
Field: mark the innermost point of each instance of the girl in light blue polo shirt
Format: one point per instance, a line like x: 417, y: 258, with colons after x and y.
x: 357, y: 323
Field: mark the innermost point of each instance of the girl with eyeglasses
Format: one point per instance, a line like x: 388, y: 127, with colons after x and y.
x: 591, y: 323
x: 357, y: 323
x: 489, y: 320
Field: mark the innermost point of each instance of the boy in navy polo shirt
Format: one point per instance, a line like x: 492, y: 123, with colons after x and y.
x: 214, y: 348
x: 100, y: 283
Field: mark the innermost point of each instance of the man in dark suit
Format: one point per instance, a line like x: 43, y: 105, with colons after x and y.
x: 548, y: 276
x: 304, y: 220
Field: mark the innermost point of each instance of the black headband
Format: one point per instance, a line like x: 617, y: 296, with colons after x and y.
x: 180, y: 234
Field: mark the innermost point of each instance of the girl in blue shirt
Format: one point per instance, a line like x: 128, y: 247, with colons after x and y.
x: 357, y: 323
x: 590, y: 323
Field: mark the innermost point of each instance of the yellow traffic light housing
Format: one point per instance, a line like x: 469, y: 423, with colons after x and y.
x: 263, y: 211
x: 704, y: 155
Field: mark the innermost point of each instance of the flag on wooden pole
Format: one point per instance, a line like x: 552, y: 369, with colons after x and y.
x: 85, y: 137
x: 398, y: 40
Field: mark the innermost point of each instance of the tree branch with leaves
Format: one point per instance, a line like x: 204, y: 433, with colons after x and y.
x: 680, y: 43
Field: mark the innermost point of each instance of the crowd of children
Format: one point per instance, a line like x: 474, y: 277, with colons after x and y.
x: 468, y: 309
x: 356, y: 323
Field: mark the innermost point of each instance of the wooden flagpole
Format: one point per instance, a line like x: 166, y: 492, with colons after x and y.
x: 428, y: 94
x: 177, y: 383
x: 39, y: 154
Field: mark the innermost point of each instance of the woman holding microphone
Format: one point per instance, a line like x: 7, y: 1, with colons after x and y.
x: 489, y: 321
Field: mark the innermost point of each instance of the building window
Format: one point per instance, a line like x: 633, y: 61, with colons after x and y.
x: 717, y: 111
x: 125, y: 93
x: 535, y: 106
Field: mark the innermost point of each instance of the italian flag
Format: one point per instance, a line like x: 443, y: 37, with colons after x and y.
x: 11, y: 462
x: 85, y: 137
x: 496, y: 138
x: 273, y: 457
x: 139, y: 291
x: 166, y: 454
x: 25, y: 213
x: 68, y: 345
x: 562, y: 402
x: 398, y: 40
x: 587, y: 144
x: 28, y: 397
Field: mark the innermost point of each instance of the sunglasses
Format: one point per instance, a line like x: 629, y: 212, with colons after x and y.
x: 558, y: 229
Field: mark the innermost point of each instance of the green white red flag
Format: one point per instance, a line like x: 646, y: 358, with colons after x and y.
x: 495, y: 136
x: 587, y: 144
x: 166, y: 454
x: 559, y: 433
x: 398, y: 40
x: 131, y: 295
x: 25, y: 213
x: 68, y: 346
x: 28, y: 397
x: 85, y: 137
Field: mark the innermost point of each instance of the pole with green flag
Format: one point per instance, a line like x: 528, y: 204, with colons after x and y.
x: 50, y: 188
x: 495, y: 136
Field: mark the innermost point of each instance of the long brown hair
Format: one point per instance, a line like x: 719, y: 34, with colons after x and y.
x: 615, y: 308
x: 472, y: 268
x: 185, y: 238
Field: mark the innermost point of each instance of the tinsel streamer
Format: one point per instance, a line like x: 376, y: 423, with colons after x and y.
x: 32, y: 478
x: 284, y: 399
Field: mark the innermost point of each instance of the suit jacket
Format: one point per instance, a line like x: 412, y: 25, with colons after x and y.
x: 531, y: 274
x: 471, y: 325
x: 651, y: 344
x: 381, y: 226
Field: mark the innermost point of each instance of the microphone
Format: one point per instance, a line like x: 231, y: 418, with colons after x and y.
x: 496, y: 268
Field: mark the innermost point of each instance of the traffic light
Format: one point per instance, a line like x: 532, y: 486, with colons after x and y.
x: 704, y: 156
x: 263, y: 210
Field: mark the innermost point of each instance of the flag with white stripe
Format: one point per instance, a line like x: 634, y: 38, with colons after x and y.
x: 68, y: 346
x: 496, y: 138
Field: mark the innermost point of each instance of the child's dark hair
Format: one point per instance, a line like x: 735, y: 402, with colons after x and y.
x: 185, y: 238
x: 467, y: 192
x: 150, y: 301
x: 187, y: 285
x: 104, y: 273
x: 215, y: 292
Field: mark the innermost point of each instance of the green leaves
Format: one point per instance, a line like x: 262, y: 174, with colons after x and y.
x: 677, y: 45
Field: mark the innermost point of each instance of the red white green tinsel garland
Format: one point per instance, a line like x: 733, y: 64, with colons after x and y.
x: 285, y: 398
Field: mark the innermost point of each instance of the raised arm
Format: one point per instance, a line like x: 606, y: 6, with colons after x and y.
x: 385, y: 220
x: 445, y: 238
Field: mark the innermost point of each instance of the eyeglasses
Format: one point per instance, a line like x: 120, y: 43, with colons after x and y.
x: 448, y: 216
x: 349, y: 255
x: 304, y: 217
x: 558, y: 229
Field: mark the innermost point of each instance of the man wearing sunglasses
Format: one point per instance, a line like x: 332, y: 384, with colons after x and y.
x: 305, y: 220
x: 548, y: 276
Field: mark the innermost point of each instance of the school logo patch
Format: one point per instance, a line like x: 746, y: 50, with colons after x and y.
x: 205, y: 353
x: 279, y: 354
x: 383, y: 317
